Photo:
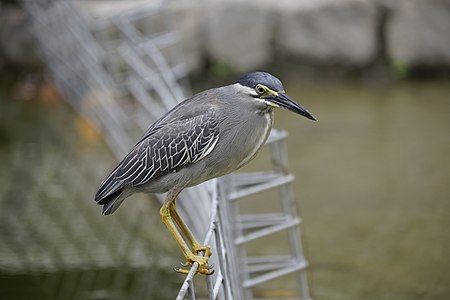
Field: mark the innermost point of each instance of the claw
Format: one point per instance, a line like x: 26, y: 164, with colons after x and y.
x: 186, y: 264
x: 181, y: 270
x: 203, y: 269
x: 200, y: 254
x: 209, y: 268
x: 206, y: 271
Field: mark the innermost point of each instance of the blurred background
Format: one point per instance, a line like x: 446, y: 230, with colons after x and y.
x: 372, y: 175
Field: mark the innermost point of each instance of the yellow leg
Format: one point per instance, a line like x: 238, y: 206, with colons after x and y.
x: 192, y: 256
x: 196, y: 246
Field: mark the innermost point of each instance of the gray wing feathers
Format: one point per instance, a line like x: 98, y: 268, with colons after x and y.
x: 165, y: 148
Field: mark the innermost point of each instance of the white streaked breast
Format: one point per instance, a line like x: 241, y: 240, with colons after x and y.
x: 261, y: 139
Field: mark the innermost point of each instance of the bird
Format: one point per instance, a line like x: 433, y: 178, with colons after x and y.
x: 208, y: 135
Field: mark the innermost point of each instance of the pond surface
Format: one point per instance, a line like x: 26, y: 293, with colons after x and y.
x: 373, y: 185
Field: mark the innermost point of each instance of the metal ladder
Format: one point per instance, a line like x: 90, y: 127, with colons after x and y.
x: 256, y: 270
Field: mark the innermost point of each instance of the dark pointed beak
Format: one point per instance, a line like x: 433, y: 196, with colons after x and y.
x: 283, y: 100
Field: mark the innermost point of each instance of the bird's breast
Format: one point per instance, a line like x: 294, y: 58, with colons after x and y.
x: 256, y: 132
x: 241, y: 137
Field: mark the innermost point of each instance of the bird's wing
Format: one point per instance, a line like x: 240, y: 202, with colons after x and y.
x: 165, y: 148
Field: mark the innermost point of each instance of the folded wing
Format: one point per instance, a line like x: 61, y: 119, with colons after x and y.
x: 165, y: 148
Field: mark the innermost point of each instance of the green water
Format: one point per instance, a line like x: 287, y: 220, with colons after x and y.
x: 54, y: 242
x: 101, y: 283
x: 372, y: 182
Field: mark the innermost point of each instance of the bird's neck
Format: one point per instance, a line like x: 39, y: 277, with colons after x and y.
x: 258, y: 134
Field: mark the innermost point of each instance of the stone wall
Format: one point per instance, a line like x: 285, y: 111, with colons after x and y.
x: 418, y: 32
x: 247, y: 35
x: 253, y: 34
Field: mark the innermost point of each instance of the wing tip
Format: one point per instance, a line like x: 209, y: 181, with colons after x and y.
x: 111, y: 202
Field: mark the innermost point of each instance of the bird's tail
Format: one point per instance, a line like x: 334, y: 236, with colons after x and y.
x: 112, y: 202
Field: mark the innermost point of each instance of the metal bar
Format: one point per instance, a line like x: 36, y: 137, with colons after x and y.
x: 267, y: 259
x: 266, y: 216
x: 289, y: 207
x: 217, y: 285
x: 261, y: 187
x: 262, y: 220
x: 242, y: 179
x: 223, y: 254
x: 266, y: 231
x: 155, y: 110
x: 275, y: 274
x: 271, y: 265
x: 146, y: 74
x: 229, y: 228
x: 191, y: 289
x: 132, y: 34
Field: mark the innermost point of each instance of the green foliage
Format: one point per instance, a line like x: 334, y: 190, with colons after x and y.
x: 221, y: 69
x: 400, y: 70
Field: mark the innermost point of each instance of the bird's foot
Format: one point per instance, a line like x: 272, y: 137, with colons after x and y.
x: 203, y: 266
x: 200, y: 255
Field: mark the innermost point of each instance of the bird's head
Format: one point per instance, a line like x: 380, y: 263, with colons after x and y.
x: 269, y: 89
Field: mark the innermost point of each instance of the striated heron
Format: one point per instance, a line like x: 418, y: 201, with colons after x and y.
x: 213, y: 133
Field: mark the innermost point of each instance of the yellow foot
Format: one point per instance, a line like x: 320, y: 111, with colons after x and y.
x: 202, y: 269
x: 200, y: 254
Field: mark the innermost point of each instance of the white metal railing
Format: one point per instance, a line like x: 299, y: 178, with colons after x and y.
x: 213, y: 286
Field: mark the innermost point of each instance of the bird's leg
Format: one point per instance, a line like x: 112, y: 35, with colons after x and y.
x: 168, y: 220
x: 196, y: 246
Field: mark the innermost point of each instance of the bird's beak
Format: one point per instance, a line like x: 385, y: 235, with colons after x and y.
x: 283, y: 100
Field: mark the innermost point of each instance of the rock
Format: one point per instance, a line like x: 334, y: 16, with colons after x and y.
x: 329, y: 31
x: 239, y: 34
x: 189, y: 24
x: 250, y: 35
x: 419, y: 32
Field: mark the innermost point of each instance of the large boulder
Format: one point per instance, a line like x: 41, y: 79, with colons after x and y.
x: 189, y: 22
x: 419, y: 32
x: 239, y: 33
x: 329, y: 31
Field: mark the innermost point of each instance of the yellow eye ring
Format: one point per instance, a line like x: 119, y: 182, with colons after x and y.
x: 260, y: 89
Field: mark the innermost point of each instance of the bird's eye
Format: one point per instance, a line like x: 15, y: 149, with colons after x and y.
x: 260, y: 89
